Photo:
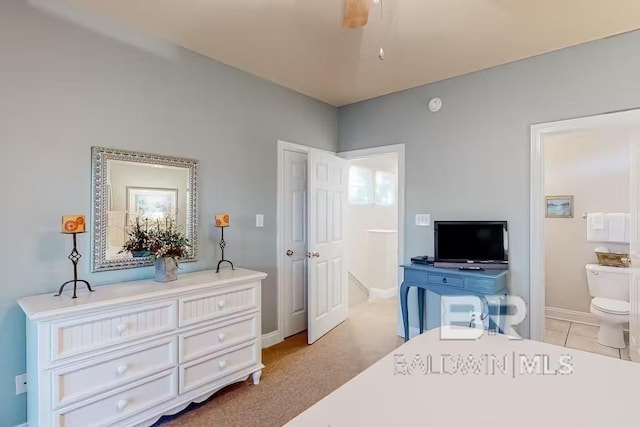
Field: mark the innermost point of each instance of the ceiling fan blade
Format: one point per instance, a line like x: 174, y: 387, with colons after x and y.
x: 356, y: 13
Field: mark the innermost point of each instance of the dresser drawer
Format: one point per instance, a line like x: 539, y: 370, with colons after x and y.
x: 80, y: 381
x: 210, y: 305
x: 80, y: 335
x: 218, y: 337
x: 111, y: 408
x: 444, y: 280
x: 203, y: 371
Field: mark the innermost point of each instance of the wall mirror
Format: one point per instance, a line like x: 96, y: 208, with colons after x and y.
x: 129, y: 185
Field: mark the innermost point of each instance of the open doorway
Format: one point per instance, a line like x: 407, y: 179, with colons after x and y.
x: 586, y: 191
x: 299, y: 309
x: 372, y: 232
x: 376, y: 231
x: 582, y: 223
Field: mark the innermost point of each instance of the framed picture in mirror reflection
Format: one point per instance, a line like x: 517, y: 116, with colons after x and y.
x: 152, y: 204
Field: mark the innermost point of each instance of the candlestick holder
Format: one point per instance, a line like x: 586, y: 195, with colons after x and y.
x: 222, y: 245
x: 74, y: 257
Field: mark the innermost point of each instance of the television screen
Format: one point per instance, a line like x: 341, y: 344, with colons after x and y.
x: 471, y: 241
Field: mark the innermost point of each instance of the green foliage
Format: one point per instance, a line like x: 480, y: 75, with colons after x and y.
x: 164, y: 239
x: 138, y: 238
x: 168, y: 240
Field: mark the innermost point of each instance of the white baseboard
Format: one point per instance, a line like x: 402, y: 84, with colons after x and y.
x: 375, y: 293
x: 272, y: 338
x: 571, y: 316
x: 353, y: 279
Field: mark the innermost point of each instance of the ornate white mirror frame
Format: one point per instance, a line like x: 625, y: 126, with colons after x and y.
x: 101, y: 158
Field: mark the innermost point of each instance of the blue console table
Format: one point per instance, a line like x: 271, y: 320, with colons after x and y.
x: 448, y: 281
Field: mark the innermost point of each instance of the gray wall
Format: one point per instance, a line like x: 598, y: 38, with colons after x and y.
x: 470, y: 160
x: 64, y: 88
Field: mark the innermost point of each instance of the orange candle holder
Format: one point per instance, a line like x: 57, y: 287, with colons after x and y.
x: 222, y: 221
x: 74, y: 224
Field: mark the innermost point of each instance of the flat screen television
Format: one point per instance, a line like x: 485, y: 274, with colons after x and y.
x: 462, y: 243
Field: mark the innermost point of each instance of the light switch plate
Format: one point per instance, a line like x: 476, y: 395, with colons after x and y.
x: 259, y: 220
x: 423, y: 220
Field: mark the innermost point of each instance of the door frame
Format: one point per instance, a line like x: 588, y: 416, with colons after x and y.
x: 399, y: 150
x: 539, y: 132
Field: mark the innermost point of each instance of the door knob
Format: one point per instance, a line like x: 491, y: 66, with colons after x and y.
x: 289, y: 252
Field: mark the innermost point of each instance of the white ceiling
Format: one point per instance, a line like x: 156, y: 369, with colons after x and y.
x: 300, y: 44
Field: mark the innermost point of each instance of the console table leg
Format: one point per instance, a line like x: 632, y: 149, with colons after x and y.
x: 421, y: 308
x: 404, y: 290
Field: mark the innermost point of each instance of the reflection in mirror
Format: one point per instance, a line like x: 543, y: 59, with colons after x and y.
x: 130, y: 187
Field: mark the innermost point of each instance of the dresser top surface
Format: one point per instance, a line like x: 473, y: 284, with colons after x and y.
x: 44, y: 306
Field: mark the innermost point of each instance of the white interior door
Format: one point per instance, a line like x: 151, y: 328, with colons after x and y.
x: 634, y: 317
x: 327, y: 264
x: 295, y: 242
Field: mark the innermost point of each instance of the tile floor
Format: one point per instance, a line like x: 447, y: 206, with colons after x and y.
x: 580, y: 337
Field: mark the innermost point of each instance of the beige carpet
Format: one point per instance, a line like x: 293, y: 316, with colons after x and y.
x: 298, y: 375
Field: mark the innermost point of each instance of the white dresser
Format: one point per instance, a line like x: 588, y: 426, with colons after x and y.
x: 131, y: 352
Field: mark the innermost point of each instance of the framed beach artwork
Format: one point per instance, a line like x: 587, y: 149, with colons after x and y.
x: 148, y: 203
x: 559, y: 206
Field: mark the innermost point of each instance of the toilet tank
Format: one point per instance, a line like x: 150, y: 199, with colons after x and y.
x: 608, y: 282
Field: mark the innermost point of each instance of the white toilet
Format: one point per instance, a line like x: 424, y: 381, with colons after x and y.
x: 609, y: 287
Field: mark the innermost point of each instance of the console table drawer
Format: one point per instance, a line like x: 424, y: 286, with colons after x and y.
x: 215, y: 338
x: 415, y: 276
x: 77, y: 336
x: 445, y: 280
x: 76, y: 382
x: 485, y: 286
x: 211, y: 305
x: 110, y: 409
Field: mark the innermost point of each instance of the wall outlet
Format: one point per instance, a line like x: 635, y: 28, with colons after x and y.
x: 423, y: 220
x: 259, y: 220
x: 21, y: 384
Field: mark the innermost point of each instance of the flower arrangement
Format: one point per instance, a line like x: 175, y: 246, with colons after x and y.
x: 161, y: 240
x: 168, y: 240
x: 138, y: 242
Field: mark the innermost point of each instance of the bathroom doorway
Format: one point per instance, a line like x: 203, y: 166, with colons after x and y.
x: 586, y: 186
x: 580, y: 205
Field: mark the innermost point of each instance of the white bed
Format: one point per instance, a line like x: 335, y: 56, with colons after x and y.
x: 598, y: 391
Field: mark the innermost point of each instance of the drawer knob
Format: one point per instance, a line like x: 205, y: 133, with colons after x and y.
x: 121, y: 404
x: 221, y: 303
x: 121, y: 328
x: 221, y: 337
x: 120, y: 370
x: 222, y: 364
x: 444, y: 280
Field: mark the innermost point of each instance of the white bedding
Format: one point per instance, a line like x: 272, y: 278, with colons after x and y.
x: 586, y: 389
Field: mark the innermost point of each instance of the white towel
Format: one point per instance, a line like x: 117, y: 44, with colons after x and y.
x: 597, y: 220
x: 596, y: 234
x: 617, y: 227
